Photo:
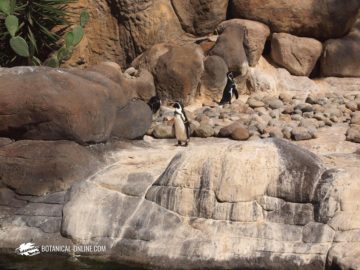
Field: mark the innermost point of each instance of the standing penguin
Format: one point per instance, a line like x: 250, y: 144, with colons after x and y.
x: 230, y: 90
x: 181, y: 125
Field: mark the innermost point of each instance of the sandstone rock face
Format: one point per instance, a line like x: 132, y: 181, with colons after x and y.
x: 41, y: 103
x: 144, y: 23
x: 310, y: 18
x: 229, y: 46
x: 200, y: 17
x: 101, y: 41
x: 297, y: 55
x: 41, y: 167
x: 249, y: 205
x: 255, y: 38
x: 341, y: 57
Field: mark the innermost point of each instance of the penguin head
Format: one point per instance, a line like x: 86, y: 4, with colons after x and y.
x: 230, y: 75
x: 178, y: 106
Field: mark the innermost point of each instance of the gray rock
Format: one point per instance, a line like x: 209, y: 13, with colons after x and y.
x: 163, y: 131
x: 318, y: 233
x: 301, y: 133
x: 254, y: 103
x: 353, y: 134
x: 204, y: 131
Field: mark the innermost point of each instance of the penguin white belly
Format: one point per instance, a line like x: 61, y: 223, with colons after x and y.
x: 180, y: 129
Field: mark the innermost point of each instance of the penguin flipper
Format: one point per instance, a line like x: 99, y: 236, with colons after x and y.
x: 188, y: 130
x: 236, y: 93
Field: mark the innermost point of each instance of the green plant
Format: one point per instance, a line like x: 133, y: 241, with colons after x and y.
x: 71, y: 39
x: 33, y: 30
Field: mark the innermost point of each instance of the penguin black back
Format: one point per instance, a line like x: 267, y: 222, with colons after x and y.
x: 154, y: 103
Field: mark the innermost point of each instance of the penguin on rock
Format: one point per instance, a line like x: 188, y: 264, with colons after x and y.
x: 230, y: 90
x: 181, y: 125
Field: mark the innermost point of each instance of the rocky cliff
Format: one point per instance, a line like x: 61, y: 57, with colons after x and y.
x: 271, y: 181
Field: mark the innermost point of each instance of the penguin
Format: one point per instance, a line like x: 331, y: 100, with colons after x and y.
x: 181, y: 125
x: 230, y: 90
x: 154, y: 104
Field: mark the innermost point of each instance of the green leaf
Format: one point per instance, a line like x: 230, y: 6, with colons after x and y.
x: 5, y: 6
x: 12, y: 6
x: 12, y: 24
x: 69, y: 39
x: 36, y: 61
x: 64, y: 53
x: 84, y: 18
x: 52, y: 62
x: 78, y: 34
x: 19, y: 45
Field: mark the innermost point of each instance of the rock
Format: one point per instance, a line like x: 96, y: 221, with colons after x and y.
x: 310, y: 18
x: 5, y: 141
x: 274, y: 103
x: 304, y: 107
x: 44, y: 103
x: 353, y: 134
x: 97, y: 44
x: 257, y: 34
x: 318, y: 233
x: 214, y: 79
x: 352, y: 105
x: 41, y: 167
x: 341, y: 56
x: 204, y: 131
x: 254, y: 103
x: 248, y: 206
x: 298, y: 55
x: 286, y: 97
x: 301, y: 133
x: 143, y: 24
x: 344, y: 256
x: 132, y: 121
x: 163, y: 132
x: 240, y: 134
x: 200, y: 17
x: 177, y: 73
x: 229, y: 46
x: 355, y: 119
x: 228, y: 130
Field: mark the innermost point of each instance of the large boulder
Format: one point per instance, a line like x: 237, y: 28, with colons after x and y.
x: 309, y: 18
x: 230, y: 47
x: 214, y: 79
x: 341, y: 57
x: 132, y: 121
x: 41, y: 167
x: 176, y: 69
x: 74, y: 104
x: 200, y: 17
x: 53, y: 104
x: 255, y: 38
x: 298, y: 55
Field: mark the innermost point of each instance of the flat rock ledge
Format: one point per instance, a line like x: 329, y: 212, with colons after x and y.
x: 218, y: 204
